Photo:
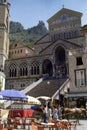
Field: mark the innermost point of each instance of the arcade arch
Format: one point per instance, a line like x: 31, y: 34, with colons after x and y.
x: 47, y: 67
x: 60, y: 61
x: 35, y: 68
x: 23, y: 70
x: 12, y: 70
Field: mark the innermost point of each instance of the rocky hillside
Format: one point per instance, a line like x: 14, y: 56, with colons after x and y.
x: 27, y: 36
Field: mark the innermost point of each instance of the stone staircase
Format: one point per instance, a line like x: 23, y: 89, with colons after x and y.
x: 48, y: 87
x: 32, y: 86
x: 28, y: 88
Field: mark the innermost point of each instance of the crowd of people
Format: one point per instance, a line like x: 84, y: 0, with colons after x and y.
x: 52, y: 112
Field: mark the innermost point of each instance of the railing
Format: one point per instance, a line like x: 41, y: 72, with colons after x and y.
x: 62, y: 88
x: 34, y: 84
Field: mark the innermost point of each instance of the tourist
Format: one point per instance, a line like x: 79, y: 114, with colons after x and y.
x: 45, y: 114
x: 49, y: 113
x: 55, y: 113
x: 60, y: 110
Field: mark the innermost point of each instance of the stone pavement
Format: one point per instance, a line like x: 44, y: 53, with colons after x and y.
x: 83, y: 125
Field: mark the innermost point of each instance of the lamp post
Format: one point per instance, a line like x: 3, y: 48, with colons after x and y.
x: 58, y: 85
x: 68, y: 90
x: 61, y: 73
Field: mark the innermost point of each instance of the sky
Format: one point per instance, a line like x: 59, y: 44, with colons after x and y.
x: 30, y: 12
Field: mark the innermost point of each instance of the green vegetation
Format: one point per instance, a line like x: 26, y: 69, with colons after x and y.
x: 27, y: 36
x: 0, y: 86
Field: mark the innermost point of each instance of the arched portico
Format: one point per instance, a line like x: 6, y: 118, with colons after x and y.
x: 47, y: 67
x: 60, y: 61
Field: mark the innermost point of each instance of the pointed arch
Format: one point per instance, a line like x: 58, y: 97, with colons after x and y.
x: 23, y: 70
x: 60, y: 61
x: 60, y: 55
x: 35, y: 68
x: 47, y: 67
x: 12, y: 70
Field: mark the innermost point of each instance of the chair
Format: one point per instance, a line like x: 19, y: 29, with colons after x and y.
x: 28, y: 122
x: 40, y: 127
x: 1, y: 126
x: 33, y: 126
x: 73, y: 124
x: 65, y: 125
x: 10, y: 123
x: 18, y: 122
x: 56, y: 124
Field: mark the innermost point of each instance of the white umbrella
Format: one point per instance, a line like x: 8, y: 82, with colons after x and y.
x: 44, y: 98
x: 33, y: 101
x: 1, y: 97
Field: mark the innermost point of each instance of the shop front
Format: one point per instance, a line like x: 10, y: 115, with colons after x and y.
x: 78, y: 100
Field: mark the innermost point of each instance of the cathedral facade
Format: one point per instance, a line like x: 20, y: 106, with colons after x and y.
x: 61, y: 53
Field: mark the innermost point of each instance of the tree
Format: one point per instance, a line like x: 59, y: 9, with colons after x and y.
x: 40, y: 29
x: 16, y: 27
x: 27, y: 36
x: 0, y: 85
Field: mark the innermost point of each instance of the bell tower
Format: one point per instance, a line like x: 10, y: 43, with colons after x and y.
x: 4, y: 32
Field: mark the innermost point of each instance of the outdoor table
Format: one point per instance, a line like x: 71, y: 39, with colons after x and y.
x: 23, y: 122
x: 58, y: 123
x: 65, y: 124
x: 47, y: 125
x: 73, y: 123
x: 64, y: 120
